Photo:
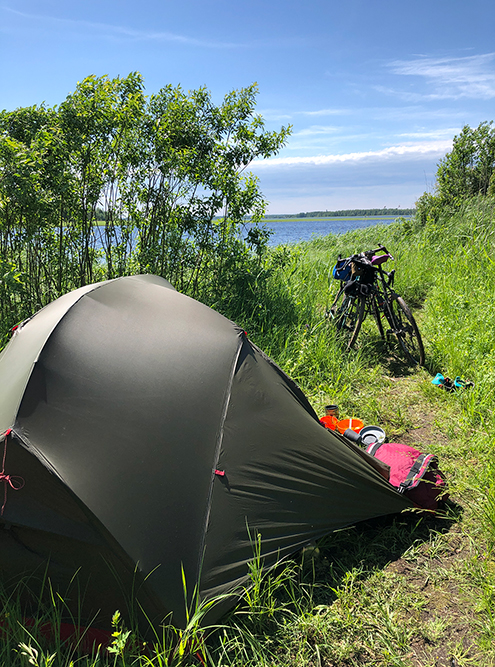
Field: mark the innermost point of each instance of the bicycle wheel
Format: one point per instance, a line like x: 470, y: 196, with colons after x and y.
x: 347, y: 313
x: 377, y: 313
x: 407, y: 332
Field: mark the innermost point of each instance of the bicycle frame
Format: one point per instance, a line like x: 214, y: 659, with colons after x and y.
x: 379, y: 293
x: 382, y: 295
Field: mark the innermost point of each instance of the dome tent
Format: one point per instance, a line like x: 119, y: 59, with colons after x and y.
x: 149, y: 432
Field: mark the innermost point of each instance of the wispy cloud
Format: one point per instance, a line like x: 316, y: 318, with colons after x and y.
x: 431, y: 149
x: 121, y: 33
x: 317, y: 130
x: 447, y: 114
x: 444, y: 133
x: 328, y: 139
x: 450, y: 78
x: 327, y: 112
x: 277, y: 114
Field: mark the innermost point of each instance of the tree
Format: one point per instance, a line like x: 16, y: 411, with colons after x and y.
x: 467, y: 171
x: 102, y: 124
x: 468, y: 168
x: 194, y: 180
x: 114, y: 182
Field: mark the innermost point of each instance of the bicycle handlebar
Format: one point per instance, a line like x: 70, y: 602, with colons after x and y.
x: 381, y: 248
x: 368, y: 255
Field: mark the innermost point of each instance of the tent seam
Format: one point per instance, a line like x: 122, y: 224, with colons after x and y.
x: 35, y: 361
x: 34, y: 451
x: 228, y: 393
x: 97, y: 286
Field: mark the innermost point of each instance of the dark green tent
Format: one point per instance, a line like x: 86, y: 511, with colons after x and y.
x: 149, y: 434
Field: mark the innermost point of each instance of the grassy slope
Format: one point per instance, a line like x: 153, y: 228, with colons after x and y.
x: 409, y: 591
x: 434, y: 601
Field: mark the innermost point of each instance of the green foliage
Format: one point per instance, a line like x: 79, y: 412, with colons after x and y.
x: 428, y: 208
x: 467, y: 171
x: 120, y: 637
x: 35, y: 657
x: 113, y: 182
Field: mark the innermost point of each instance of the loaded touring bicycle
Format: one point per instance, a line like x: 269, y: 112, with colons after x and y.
x: 367, y: 289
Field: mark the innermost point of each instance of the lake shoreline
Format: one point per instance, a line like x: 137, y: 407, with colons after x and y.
x: 297, y: 230
x: 371, y: 218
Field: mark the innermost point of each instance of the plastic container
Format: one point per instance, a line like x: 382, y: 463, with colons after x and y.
x: 329, y: 421
x: 371, y: 434
x: 353, y: 423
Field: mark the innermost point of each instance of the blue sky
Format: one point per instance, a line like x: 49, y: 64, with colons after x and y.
x: 375, y: 89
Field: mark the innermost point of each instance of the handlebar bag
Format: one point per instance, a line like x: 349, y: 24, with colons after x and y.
x: 362, y: 269
x: 342, y: 269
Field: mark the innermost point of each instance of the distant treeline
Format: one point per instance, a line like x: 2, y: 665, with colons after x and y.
x: 350, y: 213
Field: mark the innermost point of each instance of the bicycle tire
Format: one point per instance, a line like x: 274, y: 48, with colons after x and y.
x: 407, y: 332
x: 347, y: 313
x: 377, y: 313
x: 330, y: 312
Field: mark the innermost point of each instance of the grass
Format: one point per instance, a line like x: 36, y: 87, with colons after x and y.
x: 411, y: 590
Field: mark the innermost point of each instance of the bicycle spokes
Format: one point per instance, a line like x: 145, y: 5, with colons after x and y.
x: 407, y: 332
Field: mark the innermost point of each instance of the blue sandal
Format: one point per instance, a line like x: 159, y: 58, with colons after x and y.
x: 451, y: 385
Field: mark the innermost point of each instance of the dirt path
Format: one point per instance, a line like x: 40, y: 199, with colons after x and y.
x: 442, y: 571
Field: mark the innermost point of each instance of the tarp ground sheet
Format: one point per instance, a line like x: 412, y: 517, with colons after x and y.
x: 150, y: 434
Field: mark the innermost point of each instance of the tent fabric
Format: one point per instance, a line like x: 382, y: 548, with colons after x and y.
x: 153, y: 439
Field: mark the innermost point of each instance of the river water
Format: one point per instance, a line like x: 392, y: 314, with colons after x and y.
x: 293, y: 231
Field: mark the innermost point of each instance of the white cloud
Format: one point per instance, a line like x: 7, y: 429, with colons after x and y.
x: 446, y: 114
x: 451, y: 78
x: 122, y: 33
x: 432, y: 134
x: 342, y: 198
x: 274, y: 114
x: 327, y: 112
x: 431, y: 149
x: 316, y: 130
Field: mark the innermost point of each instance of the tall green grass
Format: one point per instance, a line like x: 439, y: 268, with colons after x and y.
x: 446, y: 271
x: 338, y: 604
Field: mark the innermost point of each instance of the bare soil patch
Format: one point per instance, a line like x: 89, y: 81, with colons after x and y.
x: 438, y: 571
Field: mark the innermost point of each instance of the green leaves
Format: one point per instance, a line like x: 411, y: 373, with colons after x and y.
x: 120, y: 638
x: 114, y: 182
x: 467, y: 171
